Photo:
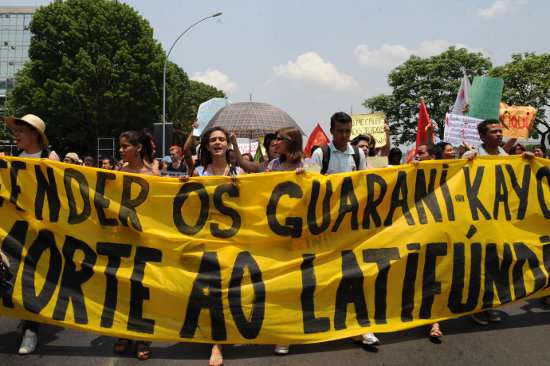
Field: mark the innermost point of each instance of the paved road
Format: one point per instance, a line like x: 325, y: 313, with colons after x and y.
x: 521, y: 339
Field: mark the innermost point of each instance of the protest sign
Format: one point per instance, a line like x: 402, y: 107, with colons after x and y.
x: 247, y: 146
x: 459, y: 129
x: 206, y: 111
x: 271, y: 258
x: 369, y: 123
x: 485, y: 97
x: 377, y: 161
x: 516, y: 120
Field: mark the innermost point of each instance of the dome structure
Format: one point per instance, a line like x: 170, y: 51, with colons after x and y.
x: 251, y: 119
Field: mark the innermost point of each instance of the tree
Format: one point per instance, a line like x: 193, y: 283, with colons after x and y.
x: 527, y: 82
x: 94, y: 70
x: 436, y: 78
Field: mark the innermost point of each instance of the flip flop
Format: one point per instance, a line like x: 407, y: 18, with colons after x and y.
x: 121, y: 345
x: 435, y: 331
x: 143, y: 352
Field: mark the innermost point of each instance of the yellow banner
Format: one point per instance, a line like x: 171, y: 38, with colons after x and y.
x: 372, y: 124
x: 275, y: 257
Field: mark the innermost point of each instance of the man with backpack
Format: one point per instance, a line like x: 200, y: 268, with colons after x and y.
x: 340, y: 157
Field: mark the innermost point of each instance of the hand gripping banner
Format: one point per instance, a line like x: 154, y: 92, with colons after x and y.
x: 272, y: 258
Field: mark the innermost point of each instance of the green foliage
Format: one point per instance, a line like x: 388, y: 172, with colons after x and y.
x: 95, y: 71
x: 436, y: 78
x: 527, y: 82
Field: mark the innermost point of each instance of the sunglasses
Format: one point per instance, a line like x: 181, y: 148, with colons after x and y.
x: 282, y: 138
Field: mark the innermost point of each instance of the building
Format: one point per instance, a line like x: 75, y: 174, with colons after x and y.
x: 15, y: 39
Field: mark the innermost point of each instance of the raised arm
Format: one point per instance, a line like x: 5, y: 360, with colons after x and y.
x: 248, y: 166
x: 188, y: 152
x: 386, y: 149
x: 509, y: 144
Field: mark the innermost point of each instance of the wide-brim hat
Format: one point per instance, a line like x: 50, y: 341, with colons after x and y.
x: 33, y: 121
x: 73, y: 156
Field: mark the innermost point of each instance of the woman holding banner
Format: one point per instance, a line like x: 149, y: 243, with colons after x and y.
x: 214, y: 159
x: 289, y: 147
x: 136, y: 151
x: 30, y: 137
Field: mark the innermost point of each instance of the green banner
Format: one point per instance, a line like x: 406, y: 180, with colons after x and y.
x: 485, y: 97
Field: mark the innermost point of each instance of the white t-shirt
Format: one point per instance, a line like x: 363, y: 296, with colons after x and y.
x: 38, y: 155
x: 340, y: 161
x: 482, y: 152
x: 201, y: 172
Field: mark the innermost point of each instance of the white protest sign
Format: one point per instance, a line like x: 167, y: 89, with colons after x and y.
x: 206, y: 111
x: 247, y: 146
x: 459, y: 129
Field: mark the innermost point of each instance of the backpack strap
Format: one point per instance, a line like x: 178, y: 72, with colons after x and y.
x: 356, y: 157
x: 326, y: 158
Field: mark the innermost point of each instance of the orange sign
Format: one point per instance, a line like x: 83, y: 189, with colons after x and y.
x: 516, y: 120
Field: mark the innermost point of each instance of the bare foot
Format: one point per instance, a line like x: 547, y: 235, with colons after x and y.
x: 216, y: 357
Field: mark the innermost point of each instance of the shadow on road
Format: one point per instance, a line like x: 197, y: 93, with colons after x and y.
x: 535, y: 314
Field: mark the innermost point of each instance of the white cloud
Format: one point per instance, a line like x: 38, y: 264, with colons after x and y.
x: 311, y: 68
x: 499, y: 7
x: 216, y: 78
x: 391, y: 55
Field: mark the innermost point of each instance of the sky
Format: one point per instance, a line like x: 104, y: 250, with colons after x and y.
x: 314, y: 58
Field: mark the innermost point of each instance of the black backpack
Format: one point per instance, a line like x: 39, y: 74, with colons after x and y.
x: 326, y: 158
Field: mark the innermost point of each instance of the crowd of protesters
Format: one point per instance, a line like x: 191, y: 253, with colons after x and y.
x: 218, y: 154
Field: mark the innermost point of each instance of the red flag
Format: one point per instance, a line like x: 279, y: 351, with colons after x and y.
x: 317, y: 137
x: 410, y: 155
x: 423, y: 123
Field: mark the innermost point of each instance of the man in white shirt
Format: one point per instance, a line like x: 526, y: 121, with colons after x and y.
x: 490, y: 133
x: 342, y: 157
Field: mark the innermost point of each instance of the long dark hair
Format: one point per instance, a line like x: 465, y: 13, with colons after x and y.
x: 139, y: 137
x: 293, y: 137
x: 205, y: 157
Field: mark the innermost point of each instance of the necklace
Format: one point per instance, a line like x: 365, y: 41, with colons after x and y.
x: 225, y: 170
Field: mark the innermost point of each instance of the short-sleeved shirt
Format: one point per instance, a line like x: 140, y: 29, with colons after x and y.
x: 275, y: 165
x: 340, y: 161
x: 482, y: 152
x: 202, y: 172
x: 51, y: 155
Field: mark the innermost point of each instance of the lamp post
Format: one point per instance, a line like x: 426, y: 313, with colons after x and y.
x: 164, y: 77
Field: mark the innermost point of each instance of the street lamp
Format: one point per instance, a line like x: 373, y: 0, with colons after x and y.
x: 164, y: 77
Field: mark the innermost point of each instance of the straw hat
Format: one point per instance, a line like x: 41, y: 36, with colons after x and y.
x: 32, y: 120
x: 74, y: 157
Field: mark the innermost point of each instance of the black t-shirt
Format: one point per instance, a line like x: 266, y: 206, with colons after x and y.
x: 182, y: 168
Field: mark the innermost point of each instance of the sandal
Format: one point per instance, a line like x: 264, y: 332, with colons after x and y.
x: 435, y: 331
x: 216, y: 358
x: 121, y: 345
x: 143, y: 352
